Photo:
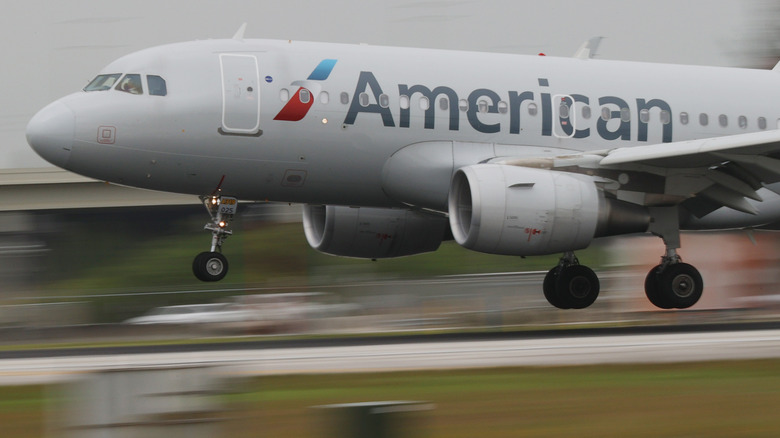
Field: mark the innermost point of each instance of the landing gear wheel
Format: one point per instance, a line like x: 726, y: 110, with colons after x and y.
x: 680, y: 285
x: 210, y: 266
x: 577, y: 286
x: 549, y: 288
x: 652, y: 291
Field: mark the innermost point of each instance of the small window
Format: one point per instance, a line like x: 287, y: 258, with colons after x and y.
x: 444, y: 103
x: 532, y: 109
x: 131, y: 84
x: 363, y: 99
x: 102, y: 82
x: 644, y: 115
x: 742, y: 122
x: 684, y: 118
x: 704, y: 119
x: 157, y: 85
x: 761, y: 123
x: 503, y: 107
x: 403, y: 101
x: 384, y: 100
x: 284, y: 95
x: 606, y: 114
x: 723, y: 120
x: 324, y: 97
x: 563, y: 111
x: 424, y: 103
x: 304, y: 95
x: 666, y: 117
x: 625, y: 114
x: 344, y: 98
x: 463, y: 105
x: 586, y: 112
x: 482, y: 106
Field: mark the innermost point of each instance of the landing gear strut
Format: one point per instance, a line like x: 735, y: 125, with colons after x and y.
x: 672, y: 284
x: 212, y: 265
x: 571, y: 285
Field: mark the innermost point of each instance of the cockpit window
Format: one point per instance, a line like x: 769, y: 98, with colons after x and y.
x: 131, y: 83
x: 156, y: 85
x: 102, y: 82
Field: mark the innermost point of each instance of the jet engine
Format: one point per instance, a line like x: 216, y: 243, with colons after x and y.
x: 502, y: 209
x: 372, y: 233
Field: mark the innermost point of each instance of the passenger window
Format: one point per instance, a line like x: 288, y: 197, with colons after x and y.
x: 157, y: 85
x: 563, y: 111
x: 666, y: 117
x: 742, y: 122
x: 532, y: 109
x: 444, y: 103
x: 482, y: 106
x: 403, y: 101
x: 103, y: 82
x: 606, y: 114
x: 704, y: 119
x: 344, y: 97
x: 384, y: 100
x: 503, y: 107
x: 723, y: 120
x: 363, y: 99
x: 131, y: 84
x: 424, y: 103
x: 644, y: 115
x: 761, y: 123
x: 684, y: 118
x: 304, y: 95
x: 586, y: 112
x: 324, y: 97
x: 625, y: 114
x: 284, y: 95
x: 463, y: 105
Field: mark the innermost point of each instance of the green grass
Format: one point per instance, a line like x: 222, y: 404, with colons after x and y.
x: 713, y: 399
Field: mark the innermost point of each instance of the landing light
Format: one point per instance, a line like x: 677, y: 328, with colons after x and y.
x: 222, y: 224
x: 324, y: 121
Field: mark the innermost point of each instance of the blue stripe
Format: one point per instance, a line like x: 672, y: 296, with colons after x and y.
x: 322, y: 71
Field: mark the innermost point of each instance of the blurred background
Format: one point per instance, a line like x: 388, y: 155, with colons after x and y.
x: 119, y: 270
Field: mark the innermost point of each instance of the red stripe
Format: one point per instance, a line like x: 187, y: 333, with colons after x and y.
x: 295, y: 110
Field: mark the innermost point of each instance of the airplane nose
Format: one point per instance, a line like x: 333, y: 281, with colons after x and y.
x: 50, y: 133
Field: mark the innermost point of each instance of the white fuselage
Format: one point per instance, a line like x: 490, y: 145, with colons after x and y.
x: 216, y: 122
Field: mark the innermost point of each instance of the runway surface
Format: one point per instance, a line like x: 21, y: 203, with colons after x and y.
x: 347, y: 357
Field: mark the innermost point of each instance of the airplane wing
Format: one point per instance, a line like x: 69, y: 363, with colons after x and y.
x: 703, y: 175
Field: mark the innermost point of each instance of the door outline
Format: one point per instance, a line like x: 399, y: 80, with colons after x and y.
x: 240, y: 81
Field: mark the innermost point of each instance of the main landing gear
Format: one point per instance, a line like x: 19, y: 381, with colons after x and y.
x: 571, y: 285
x: 670, y: 285
x: 212, y: 265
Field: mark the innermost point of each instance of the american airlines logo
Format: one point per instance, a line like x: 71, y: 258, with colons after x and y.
x: 302, y: 100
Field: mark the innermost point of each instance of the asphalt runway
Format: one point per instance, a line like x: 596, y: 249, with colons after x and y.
x: 347, y: 356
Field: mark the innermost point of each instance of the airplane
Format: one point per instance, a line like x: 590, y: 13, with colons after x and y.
x: 394, y: 150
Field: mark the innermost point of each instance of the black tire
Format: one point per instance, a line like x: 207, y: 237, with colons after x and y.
x: 680, y: 285
x: 577, y: 286
x: 548, y: 286
x: 210, y: 266
x: 652, y: 291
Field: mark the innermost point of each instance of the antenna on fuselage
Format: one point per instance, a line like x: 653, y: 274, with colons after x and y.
x: 588, y: 48
x: 240, y: 32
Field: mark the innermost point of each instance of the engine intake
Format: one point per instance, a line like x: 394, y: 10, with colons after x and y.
x: 501, y: 209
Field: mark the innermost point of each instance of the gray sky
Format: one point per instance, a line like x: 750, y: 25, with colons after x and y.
x: 53, y: 48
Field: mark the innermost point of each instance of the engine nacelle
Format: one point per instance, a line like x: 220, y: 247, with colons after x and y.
x: 501, y: 209
x: 372, y: 233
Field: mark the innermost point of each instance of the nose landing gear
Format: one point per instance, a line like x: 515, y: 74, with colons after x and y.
x: 212, y: 265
